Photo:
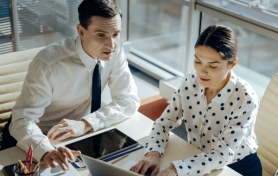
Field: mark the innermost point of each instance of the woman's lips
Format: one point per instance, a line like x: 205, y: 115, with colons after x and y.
x: 204, y: 80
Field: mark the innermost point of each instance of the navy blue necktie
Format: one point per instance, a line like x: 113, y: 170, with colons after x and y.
x: 96, y: 89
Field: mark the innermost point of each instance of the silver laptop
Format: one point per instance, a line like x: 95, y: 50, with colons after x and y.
x: 97, y: 167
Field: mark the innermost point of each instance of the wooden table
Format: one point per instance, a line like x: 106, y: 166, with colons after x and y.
x: 137, y: 127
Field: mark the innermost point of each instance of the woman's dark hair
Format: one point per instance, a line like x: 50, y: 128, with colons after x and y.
x: 222, y: 39
x: 102, y: 8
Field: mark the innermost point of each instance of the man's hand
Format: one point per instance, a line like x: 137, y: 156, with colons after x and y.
x: 150, y: 161
x: 68, y: 128
x: 169, y: 171
x: 60, y: 156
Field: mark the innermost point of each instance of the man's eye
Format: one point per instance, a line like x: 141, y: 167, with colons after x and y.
x: 101, y: 35
x: 197, y: 62
x: 115, y: 35
x: 212, y: 67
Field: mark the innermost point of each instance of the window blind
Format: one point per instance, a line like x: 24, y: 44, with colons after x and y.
x: 5, y: 28
x: 42, y: 22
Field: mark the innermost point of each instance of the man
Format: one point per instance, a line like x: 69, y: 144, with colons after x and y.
x: 58, y: 98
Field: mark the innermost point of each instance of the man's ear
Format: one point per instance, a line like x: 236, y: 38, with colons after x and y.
x: 80, y: 31
x: 235, y: 62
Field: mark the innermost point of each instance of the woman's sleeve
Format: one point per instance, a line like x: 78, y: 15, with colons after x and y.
x: 170, y: 119
x: 224, y: 146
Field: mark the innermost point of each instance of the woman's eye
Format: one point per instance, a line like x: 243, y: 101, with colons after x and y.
x: 101, y: 35
x: 197, y: 62
x: 212, y: 67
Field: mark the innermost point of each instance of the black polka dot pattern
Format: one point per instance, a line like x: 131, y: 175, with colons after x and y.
x: 216, y: 128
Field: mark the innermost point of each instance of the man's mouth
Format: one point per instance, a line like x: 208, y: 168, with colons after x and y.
x: 108, y: 52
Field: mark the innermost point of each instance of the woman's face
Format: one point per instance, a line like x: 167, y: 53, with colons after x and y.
x: 212, y: 70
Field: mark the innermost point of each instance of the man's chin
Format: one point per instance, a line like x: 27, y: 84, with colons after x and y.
x: 105, y: 58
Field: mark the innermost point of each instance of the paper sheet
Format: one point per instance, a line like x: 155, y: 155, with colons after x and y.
x: 58, y: 171
x: 129, y: 164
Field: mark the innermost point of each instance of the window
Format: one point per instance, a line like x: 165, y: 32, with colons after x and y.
x: 6, y: 45
x: 157, y: 32
x: 263, y: 13
x: 42, y: 22
x: 255, y: 52
x: 256, y: 24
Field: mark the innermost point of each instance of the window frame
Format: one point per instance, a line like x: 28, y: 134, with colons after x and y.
x: 252, y: 24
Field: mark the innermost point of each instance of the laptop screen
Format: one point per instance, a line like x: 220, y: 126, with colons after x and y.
x: 104, y: 144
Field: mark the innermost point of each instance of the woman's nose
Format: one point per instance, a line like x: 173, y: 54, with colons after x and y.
x: 203, y: 70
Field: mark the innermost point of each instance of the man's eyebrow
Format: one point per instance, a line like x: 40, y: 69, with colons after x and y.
x: 98, y: 30
x: 213, y: 62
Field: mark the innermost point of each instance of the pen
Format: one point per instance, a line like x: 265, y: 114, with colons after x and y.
x: 122, y: 157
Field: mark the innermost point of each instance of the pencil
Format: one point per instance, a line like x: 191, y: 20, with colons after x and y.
x: 31, y: 158
x: 27, y: 156
x: 122, y: 157
x: 23, y: 167
x: 35, y: 168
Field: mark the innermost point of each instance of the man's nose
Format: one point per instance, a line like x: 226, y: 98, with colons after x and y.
x: 110, y: 43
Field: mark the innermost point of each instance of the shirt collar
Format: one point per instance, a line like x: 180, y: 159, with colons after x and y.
x: 201, y: 91
x: 87, y: 60
x: 225, y: 93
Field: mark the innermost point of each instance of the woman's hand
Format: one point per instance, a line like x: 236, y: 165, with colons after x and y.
x: 150, y: 161
x: 169, y: 171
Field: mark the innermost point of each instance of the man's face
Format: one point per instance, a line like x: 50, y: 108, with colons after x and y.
x: 101, y: 37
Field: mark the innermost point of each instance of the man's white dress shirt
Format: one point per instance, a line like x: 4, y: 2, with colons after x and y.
x: 223, y: 129
x: 58, y: 86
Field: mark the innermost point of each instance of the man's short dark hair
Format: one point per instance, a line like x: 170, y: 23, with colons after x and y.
x: 102, y: 8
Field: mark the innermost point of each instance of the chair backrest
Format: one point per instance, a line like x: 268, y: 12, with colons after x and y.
x: 266, y: 128
x: 13, y: 69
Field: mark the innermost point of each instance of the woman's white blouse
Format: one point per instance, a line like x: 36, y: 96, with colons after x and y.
x: 223, y: 129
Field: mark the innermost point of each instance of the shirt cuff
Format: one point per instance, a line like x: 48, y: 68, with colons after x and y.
x: 93, y: 120
x: 181, y: 167
x: 153, y: 147
x: 41, y: 148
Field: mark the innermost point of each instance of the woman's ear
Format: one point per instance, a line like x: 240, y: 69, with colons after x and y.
x: 235, y: 62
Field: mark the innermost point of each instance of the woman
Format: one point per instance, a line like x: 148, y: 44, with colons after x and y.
x: 219, y: 111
